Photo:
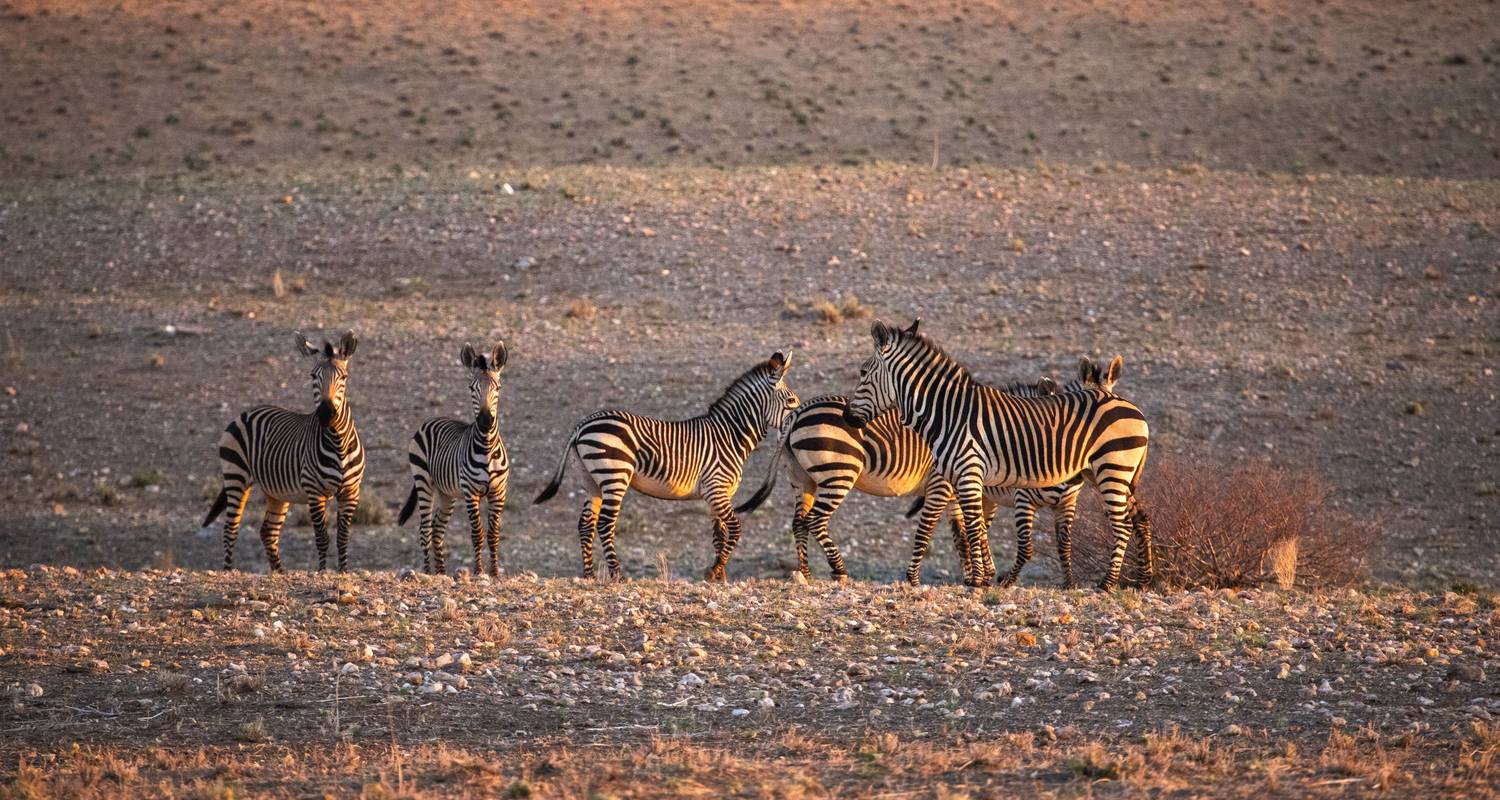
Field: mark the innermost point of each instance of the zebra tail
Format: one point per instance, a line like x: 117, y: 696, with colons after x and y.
x: 769, y: 484
x: 411, y: 505
x: 220, y: 503
x: 916, y: 508
x: 562, y: 466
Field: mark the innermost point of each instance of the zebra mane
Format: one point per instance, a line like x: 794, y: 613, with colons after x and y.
x: 740, y: 386
x: 941, y: 356
x: 1046, y: 387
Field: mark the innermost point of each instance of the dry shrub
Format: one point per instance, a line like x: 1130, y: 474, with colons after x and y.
x: 1234, y: 525
x: 833, y: 312
x: 582, y: 309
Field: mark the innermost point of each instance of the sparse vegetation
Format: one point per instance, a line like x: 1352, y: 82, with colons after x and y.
x: 597, y: 676
x: 1226, y: 525
x: 582, y: 309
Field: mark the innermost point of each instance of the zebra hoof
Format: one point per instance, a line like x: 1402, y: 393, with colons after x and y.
x: 1105, y: 586
x: 841, y: 579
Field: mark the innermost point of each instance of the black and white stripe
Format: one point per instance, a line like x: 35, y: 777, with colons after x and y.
x: 702, y: 457
x: 827, y: 458
x: 453, y: 460
x: 981, y: 436
x: 296, y: 458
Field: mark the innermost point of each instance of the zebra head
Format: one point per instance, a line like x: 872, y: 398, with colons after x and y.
x: 330, y: 373
x: 1091, y: 375
x: 780, y: 400
x: 484, y: 382
x: 876, y: 392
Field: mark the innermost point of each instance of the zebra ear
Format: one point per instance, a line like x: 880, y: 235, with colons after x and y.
x: 881, y: 333
x: 467, y: 356
x: 347, y: 344
x: 498, y: 357
x: 913, y: 329
x: 1088, y: 371
x: 304, y: 347
x: 327, y: 349
x: 1116, y: 366
x: 778, y: 363
x: 1047, y: 385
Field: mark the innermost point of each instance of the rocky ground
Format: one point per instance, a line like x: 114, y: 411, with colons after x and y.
x: 1283, y: 215
x: 1362, y: 86
x: 422, y: 686
x: 1340, y: 324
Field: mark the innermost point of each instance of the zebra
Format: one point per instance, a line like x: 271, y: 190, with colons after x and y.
x: 451, y: 459
x: 981, y: 436
x: 702, y: 457
x: 1062, y: 498
x: 302, y: 458
x: 827, y: 458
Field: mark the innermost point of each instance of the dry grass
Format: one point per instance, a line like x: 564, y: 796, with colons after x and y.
x: 307, y: 684
x: 581, y: 308
x: 841, y: 309
x: 790, y: 766
x: 1220, y: 525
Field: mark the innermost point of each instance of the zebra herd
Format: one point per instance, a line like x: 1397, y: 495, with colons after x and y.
x: 917, y: 422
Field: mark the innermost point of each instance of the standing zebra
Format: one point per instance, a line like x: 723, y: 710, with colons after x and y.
x: 981, y: 436
x: 828, y: 458
x: 1062, y: 498
x: 702, y: 457
x: 452, y: 459
x: 296, y: 458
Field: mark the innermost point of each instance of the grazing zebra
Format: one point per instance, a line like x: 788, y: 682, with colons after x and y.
x: 702, y: 457
x: 451, y: 459
x: 828, y: 458
x: 981, y: 436
x: 296, y: 458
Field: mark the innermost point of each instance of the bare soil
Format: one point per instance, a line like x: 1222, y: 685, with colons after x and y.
x: 1366, y: 86
x: 379, y: 686
x: 1283, y: 215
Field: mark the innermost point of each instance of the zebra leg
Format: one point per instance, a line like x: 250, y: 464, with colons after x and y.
x: 1025, y: 515
x: 988, y: 521
x: 1063, y: 516
x: 424, y: 526
x: 1145, y: 565
x: 971, y: 502
x: 497, y: 505
x: 237, y: 495
x: 270, y: 531
x: 476, y: 530
x: 1120, y: 522
x: 722, y: 505
x: 720, y: 534
x: 960, y: 544
x: 317, y: 511
x: 936, y: 499
x: 799, y: 533
x: 586, y: 523
x: 442, y: 509
x: 347, y: 505
x: 609, y: 515
x: 830, y: 495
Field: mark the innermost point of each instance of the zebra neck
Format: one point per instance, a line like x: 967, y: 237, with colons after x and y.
x: 743, y: 432
x: 341, y: 430
x: 923, y: 402
x: 487, y: 430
